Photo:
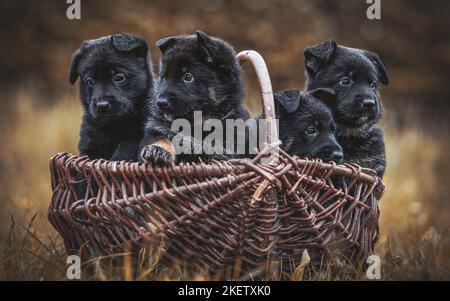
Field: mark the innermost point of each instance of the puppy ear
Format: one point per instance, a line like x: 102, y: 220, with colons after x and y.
x: 75, y: 61
x: 382, y: 72
x: 96, y: 42
x: 318, y: 55
x: 165, y: 43
x: 289, y: 100
x: 325, y: 94
x: 204, y: 46
x: 128, y: 43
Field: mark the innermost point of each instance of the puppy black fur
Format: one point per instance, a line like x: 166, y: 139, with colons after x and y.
x: 306, y: 126
x: 351, y: 76
x: 197, y: 73
x: 116, y: 83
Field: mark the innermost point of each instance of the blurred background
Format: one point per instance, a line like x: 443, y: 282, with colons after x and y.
x: 40, y: 112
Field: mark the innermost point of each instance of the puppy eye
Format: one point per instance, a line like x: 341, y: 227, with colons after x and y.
x: 311, y: 130
x: 373, y: 85
x: 345, y: 81
x: 90, y: 81
x: 188, y: 77
x: 119, y: 78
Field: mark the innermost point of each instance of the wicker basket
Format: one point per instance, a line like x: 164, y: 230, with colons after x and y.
x: 270, y: 207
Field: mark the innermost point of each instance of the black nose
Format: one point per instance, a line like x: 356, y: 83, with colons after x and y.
x: 332, y: 152
x: 337, y: 156
x: 368, y: 103
x: 103, y: 106
x: 162, y: 102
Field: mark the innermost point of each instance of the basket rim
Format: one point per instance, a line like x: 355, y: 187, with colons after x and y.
x: 64, y: 159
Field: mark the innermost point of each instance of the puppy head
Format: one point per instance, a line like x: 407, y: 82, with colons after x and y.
x: 307, y: 128
x: 115, y: 76
x: 352, y: 75
x: 197, y: 73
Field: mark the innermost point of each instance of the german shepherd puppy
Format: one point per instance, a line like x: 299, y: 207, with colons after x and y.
x: 197, y: 73
x: 306, y: 126
x: 350, y: 77
x: 116, y: 84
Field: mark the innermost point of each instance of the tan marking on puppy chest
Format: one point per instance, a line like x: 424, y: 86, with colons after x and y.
x: 212, y: 95
x: 166, y: 145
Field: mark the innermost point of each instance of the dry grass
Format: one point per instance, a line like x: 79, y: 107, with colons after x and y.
x: 415, y: 242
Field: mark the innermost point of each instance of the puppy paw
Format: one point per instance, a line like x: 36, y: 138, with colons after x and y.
x: 159, y: 153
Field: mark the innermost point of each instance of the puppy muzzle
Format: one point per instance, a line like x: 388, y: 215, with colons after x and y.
x: 365, y: 104
x: 167, y: 104
x: 332, y: 152
x: 103, y: 107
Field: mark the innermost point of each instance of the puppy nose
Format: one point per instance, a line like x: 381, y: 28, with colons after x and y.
x: 337, y: 156
x: 332, y: 152
x: 103, y: 106
x: 162, y: 102
x: 368, y: 103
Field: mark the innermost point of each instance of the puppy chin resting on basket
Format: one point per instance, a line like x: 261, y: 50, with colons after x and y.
x: 307, y: 127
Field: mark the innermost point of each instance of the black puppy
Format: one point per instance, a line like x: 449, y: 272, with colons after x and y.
x: 116, y: 83
x: 351, y: 77
x: 197, y: 73
x: 306, y: 126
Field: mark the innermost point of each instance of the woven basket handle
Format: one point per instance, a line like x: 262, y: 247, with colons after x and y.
x: 271, y: 141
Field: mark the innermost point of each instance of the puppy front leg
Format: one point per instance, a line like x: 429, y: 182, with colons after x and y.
x: 94, y: 143
x: 160, y: 152
x: 127, y: 150
x: 200, y: 151
x: 157, y: 148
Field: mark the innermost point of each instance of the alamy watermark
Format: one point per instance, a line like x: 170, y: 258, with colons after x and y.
x: 374, y: 10
x: 73, y: 271
x: 225, y: 137
x: 373, y: 271
x: 73, y: 11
